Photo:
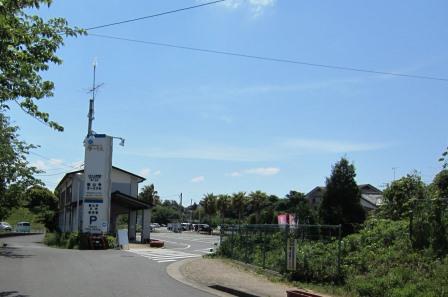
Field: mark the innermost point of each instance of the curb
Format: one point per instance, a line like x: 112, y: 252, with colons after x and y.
x: 174, y: 272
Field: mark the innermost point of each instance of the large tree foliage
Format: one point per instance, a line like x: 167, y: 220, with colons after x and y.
x: 239, y: 201
x: 341, y: 202
x: 401, y: 196
x: 28, y: 45
x: 149, y: 195
x: 258, y: 201
x: 16, y: 174
x: 439, y: 186
x: 298, y: 205
x: 209, y: 205
x: 223, y: 205
x: 44, y: 204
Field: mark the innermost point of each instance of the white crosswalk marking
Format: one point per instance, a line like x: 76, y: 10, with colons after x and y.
x: 163, y: 255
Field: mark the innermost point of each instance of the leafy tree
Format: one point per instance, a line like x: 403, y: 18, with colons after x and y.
x: 149, y: 195
x: 163, y: 214
x: 258, y: 201
x: 43, y: 203
x: 400, y: 196
x: 16, y: 174
x: 439, y: 186
x: 208, y: 202
x: 222, y: 205
x: 28, y: 45
x: 341, y: 202
x: 444, y: 158
x: 239, y: 201
x: 298, y: 205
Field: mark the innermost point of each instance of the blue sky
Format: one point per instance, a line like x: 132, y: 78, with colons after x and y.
x: 199, y: 122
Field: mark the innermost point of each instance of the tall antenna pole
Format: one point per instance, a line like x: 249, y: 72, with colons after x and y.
x: 92, y: 102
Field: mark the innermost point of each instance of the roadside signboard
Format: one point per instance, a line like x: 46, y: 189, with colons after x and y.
x: 291, y: 250
x: 97, y: 183
x: 123, y: 240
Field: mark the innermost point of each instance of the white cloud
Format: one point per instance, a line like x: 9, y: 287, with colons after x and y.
x: 235, y: 173
x: 55, y: 162
x: 157, y: 172
x: 40, y: 165
x: 329, y: 146
x: 198, y: 179
x: 273, y: 150
x: 256, y: 6
x: 144, y: 172
x: 263, y: 171
x: 77, y: 164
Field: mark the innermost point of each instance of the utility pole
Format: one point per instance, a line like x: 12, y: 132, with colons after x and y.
x: 191, y: 210
x: 180, y: 208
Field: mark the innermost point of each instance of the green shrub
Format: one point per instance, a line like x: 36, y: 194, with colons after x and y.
x: 62, y: 240
x: 111, y: 242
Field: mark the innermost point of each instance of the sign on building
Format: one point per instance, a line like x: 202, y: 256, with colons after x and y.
x: 97, y: 183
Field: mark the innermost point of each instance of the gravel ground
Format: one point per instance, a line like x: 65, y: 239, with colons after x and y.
x: 215, y: 271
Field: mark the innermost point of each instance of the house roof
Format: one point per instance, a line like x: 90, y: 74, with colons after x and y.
x: 369, y: 193
x: 140, y: 178
x: 129, y: 201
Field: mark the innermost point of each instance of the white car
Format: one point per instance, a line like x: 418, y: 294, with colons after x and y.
x: 4, y: 226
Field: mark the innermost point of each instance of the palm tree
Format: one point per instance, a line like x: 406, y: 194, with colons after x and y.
x: 150, y: 195
x: 208, y: 202
x: 223, y: 205
x: 258, y: 201
x: 239, y: 203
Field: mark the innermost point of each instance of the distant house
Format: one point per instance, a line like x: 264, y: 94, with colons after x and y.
x: 123, y: 200
x: 371, y: 197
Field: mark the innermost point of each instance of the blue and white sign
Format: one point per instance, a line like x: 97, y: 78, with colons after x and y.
x: 97, y: 183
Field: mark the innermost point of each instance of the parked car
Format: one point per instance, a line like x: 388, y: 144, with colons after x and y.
x: 4, y: 226
x: 203, y: 228
x: 24, y: 227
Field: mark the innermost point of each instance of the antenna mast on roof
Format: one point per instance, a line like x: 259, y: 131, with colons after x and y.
x: 92, y: 101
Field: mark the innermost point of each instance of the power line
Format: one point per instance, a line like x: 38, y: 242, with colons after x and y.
x: 62, y: 163
x: 270, y: 59
x: 154, y: 15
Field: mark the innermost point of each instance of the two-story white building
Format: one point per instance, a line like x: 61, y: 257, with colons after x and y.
x: 123, y: 200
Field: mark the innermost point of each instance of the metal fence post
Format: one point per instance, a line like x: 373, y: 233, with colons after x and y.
x: 286, y: 247
x: 245, y: 247
x: 339, y: 252
x: 264, y: 248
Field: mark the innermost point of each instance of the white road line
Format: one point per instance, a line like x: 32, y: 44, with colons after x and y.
x: 162, y: 256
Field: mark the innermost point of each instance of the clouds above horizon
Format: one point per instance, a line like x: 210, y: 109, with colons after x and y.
x: 274, y: 151
x: 263, y: 171
x: 256, y: 7
x: 198, y: 179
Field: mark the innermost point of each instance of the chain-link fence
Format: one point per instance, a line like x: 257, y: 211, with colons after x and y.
x: 307, y: 251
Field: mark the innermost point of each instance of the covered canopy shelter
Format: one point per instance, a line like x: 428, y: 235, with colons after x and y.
x: 125, y: 204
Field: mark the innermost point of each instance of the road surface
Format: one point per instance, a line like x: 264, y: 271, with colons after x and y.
x: 30, y: 269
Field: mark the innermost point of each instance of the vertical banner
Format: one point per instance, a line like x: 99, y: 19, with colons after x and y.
x: 97, y: 183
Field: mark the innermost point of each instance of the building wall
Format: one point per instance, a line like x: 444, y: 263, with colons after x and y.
x: 72, y: 190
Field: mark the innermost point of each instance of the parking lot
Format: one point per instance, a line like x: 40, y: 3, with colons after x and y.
x: 178, y: 246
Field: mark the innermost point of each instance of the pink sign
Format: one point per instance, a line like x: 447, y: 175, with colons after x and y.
x: 282, y: 219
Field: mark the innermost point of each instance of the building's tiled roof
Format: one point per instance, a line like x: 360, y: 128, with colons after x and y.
x: 140, y: 178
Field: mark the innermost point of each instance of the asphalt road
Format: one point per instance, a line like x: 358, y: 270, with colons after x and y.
x: 30, y: 269
x: 187, y: 241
